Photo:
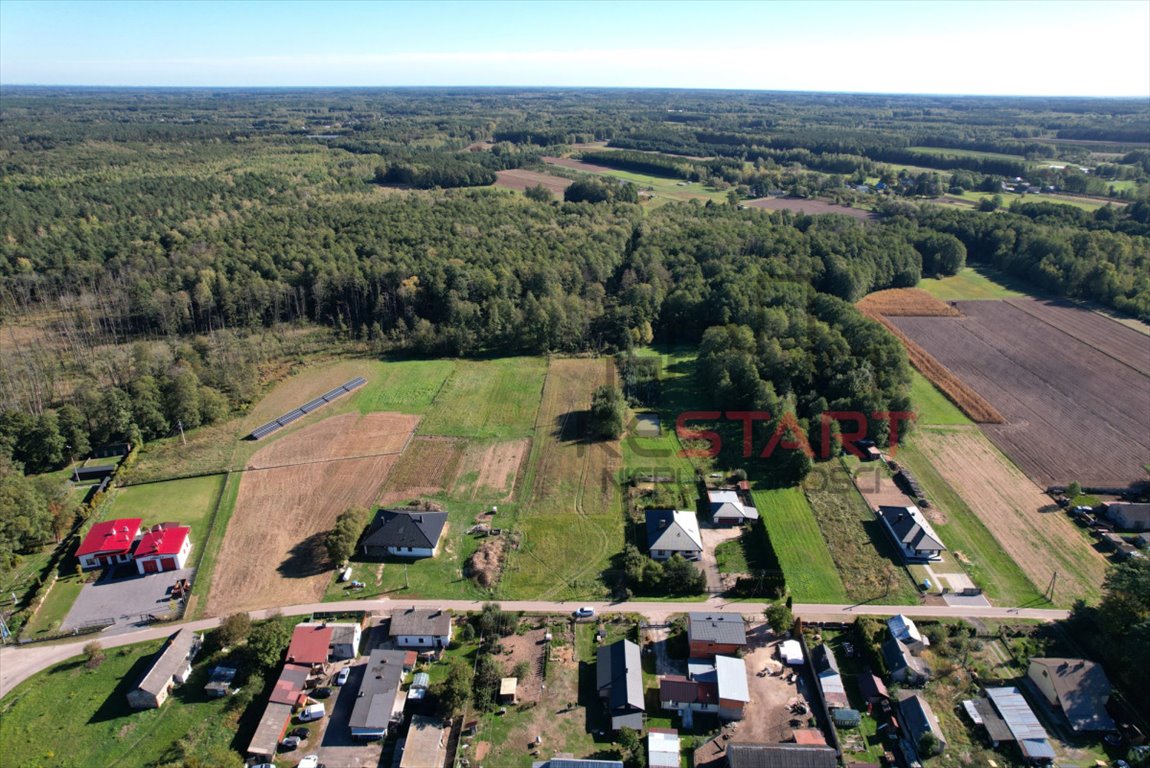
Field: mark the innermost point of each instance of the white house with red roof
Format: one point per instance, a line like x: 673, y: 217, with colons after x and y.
x: 108, y: 543
x: 165, y: 547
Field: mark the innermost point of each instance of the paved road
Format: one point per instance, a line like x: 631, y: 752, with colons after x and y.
x: 19, y: 663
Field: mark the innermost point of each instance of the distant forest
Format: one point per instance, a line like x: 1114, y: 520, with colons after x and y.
x: 197, y: 217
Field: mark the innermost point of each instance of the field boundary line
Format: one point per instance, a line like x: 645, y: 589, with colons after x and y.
x: 325, y: 461
x: 1020, y: 307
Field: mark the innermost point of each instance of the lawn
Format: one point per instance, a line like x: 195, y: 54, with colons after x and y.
x: 968, y: 539
x: 861, y: 744
x: 207, y: 558
x: 1085, y: 203
x: 975, y: 282
x: 731, y: 556
x: 963, y: 153
x: 72, y: 716
x: 189, y: 502
x: 801, y: 549
x: 405, y: 386
x: 867, y: 562
x: 931, y: 406
x: 491, y: 399
x: 57, y: 602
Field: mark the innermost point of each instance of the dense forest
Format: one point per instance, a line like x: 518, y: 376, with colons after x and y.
x: 149, y: 237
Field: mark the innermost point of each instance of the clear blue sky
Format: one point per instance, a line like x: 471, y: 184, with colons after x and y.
x: 993, y: 47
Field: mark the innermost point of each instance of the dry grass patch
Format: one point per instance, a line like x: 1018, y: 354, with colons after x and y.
x: 906, y: 301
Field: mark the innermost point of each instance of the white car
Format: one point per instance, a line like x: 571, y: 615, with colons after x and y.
x: 309, y: 761
x: 341, y: 678
x: 584, y: 612
x: 312, y: 712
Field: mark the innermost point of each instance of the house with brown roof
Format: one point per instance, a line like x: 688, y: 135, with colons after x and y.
x: 1077, y: 687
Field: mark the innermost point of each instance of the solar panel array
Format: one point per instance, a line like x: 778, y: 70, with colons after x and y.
x: 264, y: 430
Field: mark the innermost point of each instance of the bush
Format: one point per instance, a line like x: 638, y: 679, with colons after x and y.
x: 93, y: 655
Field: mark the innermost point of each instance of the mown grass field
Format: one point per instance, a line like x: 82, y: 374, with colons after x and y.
x: 868, y: 564
x: 931, y: 406
x: 800, y: 546
x: 970, y: 283
x: 73, y: 717
x: 493, y: 399
x: 188, y: 502
x: 1085, y: 203
x: 963, y: 153
x: 202, y: 584
x: 57, y: 602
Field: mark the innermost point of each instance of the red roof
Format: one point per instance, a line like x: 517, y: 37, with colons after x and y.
x: 290, y: 684
x: 310, y: 644
x: 163, y: 539
x: 679, y: 689
x: 809, y: 736
x: 110, y: 537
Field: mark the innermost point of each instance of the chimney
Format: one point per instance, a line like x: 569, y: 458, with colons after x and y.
x: 663, y: 522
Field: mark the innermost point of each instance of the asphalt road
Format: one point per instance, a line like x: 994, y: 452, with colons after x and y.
x: 19, y: 663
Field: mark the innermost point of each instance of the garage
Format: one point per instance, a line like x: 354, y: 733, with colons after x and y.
x: 150, y: 566
x: 170, y: 564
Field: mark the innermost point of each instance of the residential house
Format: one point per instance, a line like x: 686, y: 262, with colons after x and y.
x: 171, y: 667
x: 687, y: 696
x: 663, y: 748
x: 1128, y: 516
x: 1079, y: 688
x: 426, y: 743
x: 310, y: 645
x: 165, y: 547
x: 830, y: 680
x: 345, y: 639
x: 904, y: 630
x: 912, y: 533
x: 727, y: 508
x: 751, y: 755
x: 379, y: 703
x: 404, y: 533
x: 619, y: 680
x: 872, y: 688
x: 720, y: 688
x: 425, y: 628
x: 903, y: 666
x: 918, y: 720
x: 287, y: 693
x: 108, y: 543
x: 709, y: 634
x: 1025, y: 730
x: 568, y: 760
x: 672, y: 532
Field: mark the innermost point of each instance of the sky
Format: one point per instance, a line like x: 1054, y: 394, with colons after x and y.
x: 997, y: 47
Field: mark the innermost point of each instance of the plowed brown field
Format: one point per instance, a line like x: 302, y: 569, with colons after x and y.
x: 272, y: 552
x: 520, y: 180
x: 1022, y: 518
x: 1073, y: 411
x: 810, y: 207
x: 427, y: 467
x: 496, y: 467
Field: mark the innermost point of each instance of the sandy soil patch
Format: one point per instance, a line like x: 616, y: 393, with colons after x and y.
x: 349, y: 435
x: 427, y: 467
x: 520, y: 179
x: 811, y: 207
x: 1017, y: 513
x: 527, y: 648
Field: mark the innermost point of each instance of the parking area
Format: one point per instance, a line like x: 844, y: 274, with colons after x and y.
x: 125, y: 597
x: 336, y: 747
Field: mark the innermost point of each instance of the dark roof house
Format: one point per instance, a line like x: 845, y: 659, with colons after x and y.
x: 918, y: 719
x: 404, y: 533
x: 912, y: 532
x: 619, y: 680
x: 902, y: 665
x: 1077, y: 686
x: 671, y: 532
x: 711, y: 633
x: 408, y: 623
x: 379, y: 703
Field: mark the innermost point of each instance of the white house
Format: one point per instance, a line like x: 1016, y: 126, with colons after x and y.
x: 108, y: 543
x: 425, y: 628
x: 404, y: 533
x: 165, y: 547
x: 912, y: 533
x: 672, y: 532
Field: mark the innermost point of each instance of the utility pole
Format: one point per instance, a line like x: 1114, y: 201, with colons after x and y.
x: 406, y: 585
x: 1050, y: 588
x: 183, y: 439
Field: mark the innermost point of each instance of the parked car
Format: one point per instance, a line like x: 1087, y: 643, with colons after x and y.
x: 321, y: 693
x: 310, y: 761
x: 584, y: 612
x: 300, y: 733
x: 341, y: 677
x: 290, y: 743
x: 312, y: 712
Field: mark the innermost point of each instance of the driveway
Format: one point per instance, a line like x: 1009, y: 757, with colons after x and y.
x: 125, y: 597
x: 337, y: 747
x: 656, y: 638
x: 713, y: 537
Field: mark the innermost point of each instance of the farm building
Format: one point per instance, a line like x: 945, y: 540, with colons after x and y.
x: 508, y: 687
x: 619, y: 680
x: 1021, y: 723
x: 709, y: 634
x: 1128, y: 516
x: 404, y: 533
x: 274, y: 722
x: 808, y: 736
x: 745, y: 755
x: 1079, y: 688
x: 568, y: 760
x: 318, y: 643
x: 171, y: 667
x: 671, y: 532
x: 420, y: 628
x: 912, y: 533
x: 380, y: 700
x: 290, y: 684
x: 165, y: 547
x: 903, y: 666
x: 727, y: 508
x: 791, y: 653
x: 918, y: 720
x: 663, y: 748
x: 830, y: 680
x: 425, y: 745
x: 108, y: 543
x: 219, y: 681
x: 904, y: 630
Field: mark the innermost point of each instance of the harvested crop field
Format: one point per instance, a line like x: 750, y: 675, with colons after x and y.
x: 577, y: 165
x: 349, y: 435
x: 520, y: 180
x: 1110, y: 337
x: 913, y: 302
x: 956, y: 390
x: 1016, y: 512
x: 495, y: 467
x: 428, y: 467
x: 1073, y: 411
x: 272, y: 552
x: 811, y: 207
